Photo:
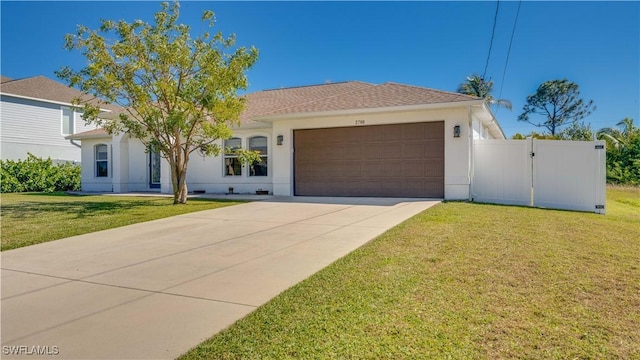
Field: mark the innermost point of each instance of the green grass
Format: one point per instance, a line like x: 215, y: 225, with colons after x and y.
x: 464, y: 281
x: 32, y: 218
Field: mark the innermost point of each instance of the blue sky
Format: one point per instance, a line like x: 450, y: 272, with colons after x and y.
x: 431, y: 44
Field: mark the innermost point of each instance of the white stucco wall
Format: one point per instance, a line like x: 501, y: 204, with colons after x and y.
x: 207, y: 173
x: 90, y: 182
x: 130, y: 164
x: 138, y: 169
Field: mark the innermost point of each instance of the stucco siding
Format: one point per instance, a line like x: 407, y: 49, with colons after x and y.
x: 203, y: 174
x: 208, y: 173
x: 138, y: 171
x: 90, y: 182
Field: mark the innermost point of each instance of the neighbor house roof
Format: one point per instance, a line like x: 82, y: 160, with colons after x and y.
x: 342, y: 96
x: 43, y: 88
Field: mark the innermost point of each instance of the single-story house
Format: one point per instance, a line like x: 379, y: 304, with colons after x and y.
x: 338, y: 139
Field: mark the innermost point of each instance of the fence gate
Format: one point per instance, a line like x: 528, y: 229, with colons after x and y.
x: 556, y: 174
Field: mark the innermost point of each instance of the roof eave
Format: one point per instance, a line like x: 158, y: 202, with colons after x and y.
x: 489, y: 119
x: 48, y: 101
x: 301, y: 115
x: 252, y: 125
x: 85, y: 137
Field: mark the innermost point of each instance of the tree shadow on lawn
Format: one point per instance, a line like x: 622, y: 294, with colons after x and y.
x: 82, y: 209
x: 55, y: 193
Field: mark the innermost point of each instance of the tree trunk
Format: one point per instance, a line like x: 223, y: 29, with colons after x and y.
x: 180, y: 197
x: 178, y: 165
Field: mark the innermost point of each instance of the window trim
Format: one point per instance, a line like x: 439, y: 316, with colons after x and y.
x: 264, y: 156
x: 96, y: 160
x: 229, y: 157
x: 72, y: 119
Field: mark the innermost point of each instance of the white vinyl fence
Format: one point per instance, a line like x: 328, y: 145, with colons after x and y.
x: 556, y: 174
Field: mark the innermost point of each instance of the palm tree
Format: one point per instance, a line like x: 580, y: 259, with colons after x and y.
x: 476, y: 85
x: 617, y: 137
x: 628, y: 129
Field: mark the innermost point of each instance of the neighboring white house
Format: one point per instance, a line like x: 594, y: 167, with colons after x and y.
x: 35, y: 117
x: 340, y: 139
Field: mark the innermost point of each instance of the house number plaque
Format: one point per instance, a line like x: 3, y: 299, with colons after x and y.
x: 359, y: 122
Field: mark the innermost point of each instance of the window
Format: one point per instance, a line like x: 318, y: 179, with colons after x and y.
x: 154, y: 169
x: 102, y: 161
x: 232, y: 165
x: 259, y: 143
x: 68, y: 123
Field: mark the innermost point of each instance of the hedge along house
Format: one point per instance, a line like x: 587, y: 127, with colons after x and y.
x: 338, y: 139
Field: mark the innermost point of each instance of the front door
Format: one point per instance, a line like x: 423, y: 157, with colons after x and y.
x: 154, y: 170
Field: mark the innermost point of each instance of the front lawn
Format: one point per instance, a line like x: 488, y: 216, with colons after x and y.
x: 464, y: 281
x: 32, y: 218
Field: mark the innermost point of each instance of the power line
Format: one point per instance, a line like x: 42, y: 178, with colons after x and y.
x: 493, y: 32
x: 506, y: 62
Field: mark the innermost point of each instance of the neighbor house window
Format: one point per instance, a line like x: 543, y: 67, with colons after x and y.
x: 259, y: 144
x: 68, y: 123
x: 102, y: 161
x: 232, y: 165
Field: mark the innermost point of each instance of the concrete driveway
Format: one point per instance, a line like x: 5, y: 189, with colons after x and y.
x: 156, y: 289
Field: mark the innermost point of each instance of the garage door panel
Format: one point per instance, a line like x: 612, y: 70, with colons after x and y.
x: 413, y: 169
x: 342, y: 135
x: 405, y: 160
x: 382, y: 150
x: 318, y: 188
x: 360, y: 188
x: 391, y: 151
x: 371, y: 151
x: 342, y: 170
x: 392, y: 169
x: 335, y: 152
x: 353, y: 152
x: 433, y: 170
x: 414, y: 131
x: 310, y: 138
x: 372, y: 134
x: 434, y: 149
x: 304, y: 154
x: 414, y: 150
x: 380, y: 133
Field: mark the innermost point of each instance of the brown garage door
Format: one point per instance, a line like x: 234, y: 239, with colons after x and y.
x: 399, y: 160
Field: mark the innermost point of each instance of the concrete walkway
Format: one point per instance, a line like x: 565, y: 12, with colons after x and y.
x: 156, y: 289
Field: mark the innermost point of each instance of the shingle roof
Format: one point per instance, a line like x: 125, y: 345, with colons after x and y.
x: 40, y: 87
x: 95, y: 133
x: 4, y: 79
x: 350, y: 95
x: 343, y: 96
x: 278, y: 100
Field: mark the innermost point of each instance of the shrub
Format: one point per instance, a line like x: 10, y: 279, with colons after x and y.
x: 623, y: 152
x: 36, y: 174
